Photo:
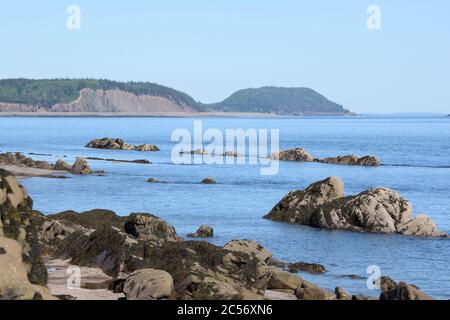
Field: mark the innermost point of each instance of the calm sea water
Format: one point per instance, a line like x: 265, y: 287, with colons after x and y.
x: 414, y: 150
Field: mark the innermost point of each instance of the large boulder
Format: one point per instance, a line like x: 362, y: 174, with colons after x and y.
x: 80, y: 166
x: 378, y: 210
x: 297, y: 154
x: 61, y: 165
x: 14, y: 280
x: 148, y: 284
x: 284, y: 280
x: 390, y: 290
x: 370, y: 161
x: 150, y: 228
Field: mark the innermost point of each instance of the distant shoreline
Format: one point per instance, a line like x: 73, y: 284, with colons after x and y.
x: 159, y: 114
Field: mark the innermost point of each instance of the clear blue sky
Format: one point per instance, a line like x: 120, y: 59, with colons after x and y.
x: 210, y: 48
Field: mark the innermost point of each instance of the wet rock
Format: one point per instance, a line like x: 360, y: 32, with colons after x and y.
x: 119, y: 144
x: 153, y: 180
x: 352, y: 160
x: 390, y: 290
x: 150, y: 228
x: 138, y: 161
x: 148, y: 284
x: 81, y: 166
x: 204, y: 231
x: 313, y: 268
x: 377, y: 210
x: 208, y: 181
x: 297, y: 154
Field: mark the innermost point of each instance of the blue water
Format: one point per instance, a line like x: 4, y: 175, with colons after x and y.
x: 414, y: 151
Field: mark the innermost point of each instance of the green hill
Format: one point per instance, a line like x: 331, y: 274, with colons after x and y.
x: 294, y: 101
x: 46, y: 93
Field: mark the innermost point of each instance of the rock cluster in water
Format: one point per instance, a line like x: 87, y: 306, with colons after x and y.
x: 119, y: 144
x: 378, y: 210
x: 80, y: 166
x: 301, y: 155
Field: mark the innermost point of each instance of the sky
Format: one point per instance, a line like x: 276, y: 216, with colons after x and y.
x: 211, y: 48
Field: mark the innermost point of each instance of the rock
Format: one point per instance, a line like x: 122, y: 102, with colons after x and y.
x: 204, y: 271
x: 196, y: 152
x: 16, y: 222
x: 278, y: 295
x: 390, y: 290
x: 146, y: 147
x: 208, y: 181
x: 138, y: 161
x: 148, y: 284
x: 297, y: 154
x: 284, y: 280
x: 153, y: 180
x: 14, y: 280
x: 18, y: 159
x: 204, y: 231
x: 250, y: 247
x: 81, y: 166
x: 341, y: 294
x: 361, y: 297
x: 117, y: 284
x: 314, y: 293
x: 377, y: 210
x: 54, y: 230
x: 119, y: 144
x: 313, y: 268
x: 61, y: 165
x: 232, y: 154
x: 88, y: 220
x: 352, y: 160
x: 150, y: 228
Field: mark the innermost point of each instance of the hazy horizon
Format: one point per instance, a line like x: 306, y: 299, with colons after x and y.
x: 211, y: 49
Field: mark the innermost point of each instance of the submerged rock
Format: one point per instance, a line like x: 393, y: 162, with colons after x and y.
x: 204, y: 231
x: 297, y: 154
x: 119, y: 144
x: 378, y: 210
x: 208, y: 181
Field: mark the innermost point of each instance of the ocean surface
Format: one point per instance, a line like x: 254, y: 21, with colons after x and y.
x: 415, y: 151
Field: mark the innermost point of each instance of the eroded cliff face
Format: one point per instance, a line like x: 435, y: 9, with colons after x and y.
x: 106, y: 101
x: 119, y: 101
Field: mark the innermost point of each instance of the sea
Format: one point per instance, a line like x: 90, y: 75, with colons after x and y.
x: 415, y: 155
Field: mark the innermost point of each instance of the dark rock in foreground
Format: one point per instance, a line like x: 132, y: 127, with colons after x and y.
x: 390, y: 290
x: 119, y: 144
x: 378, y: 210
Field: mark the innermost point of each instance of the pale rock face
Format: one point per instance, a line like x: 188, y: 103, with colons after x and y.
x: 148, y: 284
x: 81, y: 166
x: 250, y: 247
x: 61, y: 165
x: 378, y: 210
x: 284, y: 280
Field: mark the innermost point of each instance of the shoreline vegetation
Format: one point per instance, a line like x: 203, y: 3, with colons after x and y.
x: 98, y: 97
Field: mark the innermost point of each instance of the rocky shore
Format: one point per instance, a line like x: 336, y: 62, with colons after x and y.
x: 141, y: 257
x: 301, y: 155
x: 379, y: 210
x: 119, y: 144
x: 21, y: 165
